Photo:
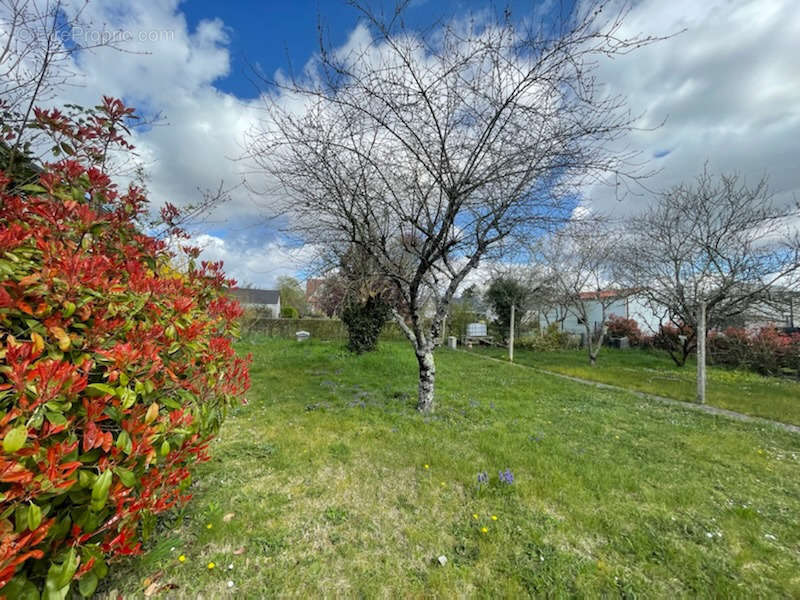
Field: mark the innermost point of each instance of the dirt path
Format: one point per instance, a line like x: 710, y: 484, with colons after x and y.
x: 712, y: 410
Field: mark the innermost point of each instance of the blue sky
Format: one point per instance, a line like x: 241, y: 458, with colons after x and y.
x: 274, y: 35
x: 726, y: 91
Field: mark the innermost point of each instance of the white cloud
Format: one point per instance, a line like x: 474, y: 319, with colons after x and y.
x: 168, y: 69
x: 258, y: 264
x: 728, y: 87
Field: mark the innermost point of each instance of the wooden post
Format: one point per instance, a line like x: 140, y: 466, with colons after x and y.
x: 701, y: 353
x: 511, y: 337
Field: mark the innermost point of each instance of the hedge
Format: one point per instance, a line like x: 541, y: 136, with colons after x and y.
x: 116, y: 368
x: 322, y: 329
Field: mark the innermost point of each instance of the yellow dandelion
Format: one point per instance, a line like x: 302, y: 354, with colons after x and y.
x: 475, y: 515
x: 182, y: 558
x: 211, y: 565
x: 484, y: 530
x: 209, y: 526
x: 494, y: 517
x: 427, y: 466
x: 442, y: 484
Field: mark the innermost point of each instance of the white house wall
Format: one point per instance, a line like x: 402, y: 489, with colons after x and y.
x: 640, y: 311
x: 630, y: 308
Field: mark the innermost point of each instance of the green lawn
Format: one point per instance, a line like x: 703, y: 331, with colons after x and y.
x: 319, y: 488
x: 655, y: 373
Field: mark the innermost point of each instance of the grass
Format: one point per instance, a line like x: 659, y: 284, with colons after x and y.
x: 655, y: 373
x: 319, y: 488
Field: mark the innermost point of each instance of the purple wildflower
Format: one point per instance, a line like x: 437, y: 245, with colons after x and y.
x: 506, y: 476
x: 483, y: 477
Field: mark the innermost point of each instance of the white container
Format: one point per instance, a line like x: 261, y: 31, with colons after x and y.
x: 451, y: 341
x: 302, y: 335
x: 476, y: 330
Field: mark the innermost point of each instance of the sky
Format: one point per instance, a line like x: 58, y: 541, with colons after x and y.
x: 725, y: 89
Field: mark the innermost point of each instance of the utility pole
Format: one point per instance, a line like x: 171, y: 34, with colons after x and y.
x: 511, y: 337
x: 701, y: 353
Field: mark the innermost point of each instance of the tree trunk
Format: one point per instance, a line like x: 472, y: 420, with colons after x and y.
x: 427, y: 376
x: 589, y: 344
x: 511, y: 337
x: 701, y: 354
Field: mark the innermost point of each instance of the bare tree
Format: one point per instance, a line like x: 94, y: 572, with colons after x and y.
x: 428, y: 150
x: 584, y: 278
x: 37, y: 44
x: 716, y: 246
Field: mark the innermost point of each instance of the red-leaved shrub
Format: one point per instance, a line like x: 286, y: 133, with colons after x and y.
x: 619, y: 327
x: 766, y: 351
x: 116, y: 369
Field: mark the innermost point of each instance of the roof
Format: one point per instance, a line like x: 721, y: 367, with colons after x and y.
x: 313, y: 286
x: 605, y: 294
x: 254, y: 296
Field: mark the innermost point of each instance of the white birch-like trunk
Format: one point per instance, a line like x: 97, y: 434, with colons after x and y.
x: 511, y: 337
x: 427, y: 377
x: 701, y: 354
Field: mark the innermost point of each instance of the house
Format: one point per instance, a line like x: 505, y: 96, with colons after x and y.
x: 777, y: 308
x: 618, y: 303
x: 265, y: 300
x: 313, y: 289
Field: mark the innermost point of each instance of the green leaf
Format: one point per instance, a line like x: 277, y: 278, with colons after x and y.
x: 126, y: 476
x: 97, y: 228
x: 100, y: 389
x: 15, y: 439
x: 91, y: 456
x: 164, y: 450
x: 100, y: 491
x: 20, y: 518
x: 128, y: 397
x: 69, y: 309
x: 87, y: 584
x: 86, y: 478
x: 124, y: 442
x: 60, y: 529
x: 100, y: 567
x: 171, y: 402
x: 56, y: 418
x: 35, y: 422
x: 34, y: 188
x: 21, y: 589
x: 34, y: 516
x: 59, y: 577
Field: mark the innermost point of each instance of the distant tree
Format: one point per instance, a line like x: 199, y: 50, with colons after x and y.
x: 429, y: 149
x: 583, y: 274
x: 462, y: 311
x: 715, y: 247
x: 503, y: 292
x: 472, y: 296
x: 364, y: 319
x: 331, y: 295
x: 289, y: 312
x: 292, y: 294
x: 37, y: 48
